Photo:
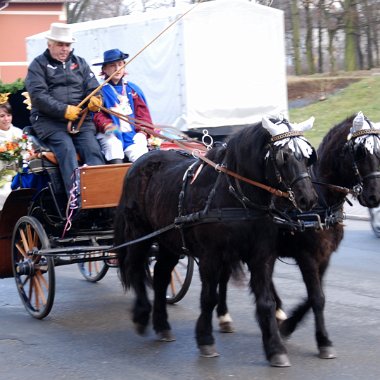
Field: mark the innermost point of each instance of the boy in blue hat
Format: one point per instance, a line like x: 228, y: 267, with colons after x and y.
x: 118, y: 138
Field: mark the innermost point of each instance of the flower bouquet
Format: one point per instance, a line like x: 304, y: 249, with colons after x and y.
x: 12, y: 155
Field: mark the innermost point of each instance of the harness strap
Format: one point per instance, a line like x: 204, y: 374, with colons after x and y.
x: 340, y: 189
x: 217, y: 167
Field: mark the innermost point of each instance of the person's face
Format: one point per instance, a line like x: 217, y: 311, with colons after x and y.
x: 110, y: 68
x: 59, y: 50
x: 5, y: 119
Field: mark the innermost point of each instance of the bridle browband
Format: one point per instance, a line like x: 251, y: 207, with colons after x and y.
x: 363, y: 132
x: 286, y: 135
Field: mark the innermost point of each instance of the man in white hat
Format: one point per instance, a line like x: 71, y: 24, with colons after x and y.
x: 57, y: 81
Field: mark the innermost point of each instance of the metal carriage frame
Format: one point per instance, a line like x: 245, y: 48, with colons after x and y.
x: 35, y: 238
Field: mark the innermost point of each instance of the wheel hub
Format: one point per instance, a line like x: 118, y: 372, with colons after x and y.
x: 25, y: 267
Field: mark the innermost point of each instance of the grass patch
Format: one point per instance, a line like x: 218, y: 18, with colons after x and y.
x: 360, y: 96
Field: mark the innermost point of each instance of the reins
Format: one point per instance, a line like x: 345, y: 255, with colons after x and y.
x: 149, y: 129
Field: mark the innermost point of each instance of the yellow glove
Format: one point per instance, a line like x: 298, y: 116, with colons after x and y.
x: 95, y: 103
x: 72, y: 112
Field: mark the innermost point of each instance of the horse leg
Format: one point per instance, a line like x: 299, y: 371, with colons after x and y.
x: 260, y: 282
x: 133, y: 270
x: 209, y: 298
x: 161, y: 279
x: 225, y: 320
x: 280, y: 314
x: 312, y: 275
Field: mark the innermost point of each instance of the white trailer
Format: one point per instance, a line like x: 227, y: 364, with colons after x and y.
x: 223, y: 64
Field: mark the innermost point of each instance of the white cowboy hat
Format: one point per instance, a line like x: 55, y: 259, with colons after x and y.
x: 60, y: 32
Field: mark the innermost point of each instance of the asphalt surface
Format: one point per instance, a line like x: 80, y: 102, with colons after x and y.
x: 89, y: 335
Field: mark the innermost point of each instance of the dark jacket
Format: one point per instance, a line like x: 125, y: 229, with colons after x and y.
x: 52, y: 86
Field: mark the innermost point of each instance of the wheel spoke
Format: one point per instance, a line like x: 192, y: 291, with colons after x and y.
x: 26, y: 279
x: 42, y: 279
x: 177, y: 275
x: 35, y: 239
x: 31, y: 285
x: 24, y: 241
x: 21, y: 250
x: 29, y: 235
x: 40, y: 292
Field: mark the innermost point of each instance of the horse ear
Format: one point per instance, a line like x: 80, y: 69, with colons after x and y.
x: 305, y: 125
x: 272, y: 128
x: 358, y: 122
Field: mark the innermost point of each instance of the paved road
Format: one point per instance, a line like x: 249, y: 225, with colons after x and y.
x: 88, y: 334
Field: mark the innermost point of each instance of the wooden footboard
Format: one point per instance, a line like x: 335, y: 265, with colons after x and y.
x: 101, y: 186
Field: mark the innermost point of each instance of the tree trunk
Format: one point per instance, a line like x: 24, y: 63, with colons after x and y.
x: 295, y: 18
x: 321, y: 6
x: 350, y: 29
x: 309, y: 39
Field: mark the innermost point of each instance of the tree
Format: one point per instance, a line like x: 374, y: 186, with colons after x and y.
x: 295, y: 18
x: 86, y: 10
x: 351, y: 30
x: 309, y: 36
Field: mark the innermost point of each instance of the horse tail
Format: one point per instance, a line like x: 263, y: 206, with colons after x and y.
x: 133, y: 259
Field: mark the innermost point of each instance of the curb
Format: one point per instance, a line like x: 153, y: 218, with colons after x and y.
x: 358, y: 217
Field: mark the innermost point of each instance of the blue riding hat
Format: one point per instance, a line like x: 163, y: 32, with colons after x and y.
x: 112, y: 55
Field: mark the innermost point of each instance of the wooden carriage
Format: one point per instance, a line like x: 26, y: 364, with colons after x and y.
x: 35, y: 237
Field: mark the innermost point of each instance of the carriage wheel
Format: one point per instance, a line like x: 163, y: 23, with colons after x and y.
x: 182, y: 275
x: 93, y: 271
x: 34, y: 274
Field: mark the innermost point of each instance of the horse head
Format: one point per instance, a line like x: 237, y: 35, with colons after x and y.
x: 363, y: 151
x: 289, y: 157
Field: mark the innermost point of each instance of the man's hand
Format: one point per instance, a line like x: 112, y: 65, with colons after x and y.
x: 72, y: 113
x: 95, y: 103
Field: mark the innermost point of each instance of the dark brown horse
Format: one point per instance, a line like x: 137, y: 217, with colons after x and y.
x: 219, y: 219
x: 348, y: 158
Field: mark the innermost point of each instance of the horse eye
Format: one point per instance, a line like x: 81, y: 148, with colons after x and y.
x: 281, y: 158
x: 360, y: 152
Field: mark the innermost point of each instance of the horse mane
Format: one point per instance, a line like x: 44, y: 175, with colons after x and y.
x: 330, y: 149
x: 247, y: 144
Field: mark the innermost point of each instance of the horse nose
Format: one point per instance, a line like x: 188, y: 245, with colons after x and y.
x: 306, y: 203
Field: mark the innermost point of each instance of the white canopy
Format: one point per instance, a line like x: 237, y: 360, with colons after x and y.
x: 223, y: 64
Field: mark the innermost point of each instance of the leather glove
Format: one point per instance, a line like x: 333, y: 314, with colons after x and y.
x: 109, y: 129
x: 72, y: 112
x: 95, y: 103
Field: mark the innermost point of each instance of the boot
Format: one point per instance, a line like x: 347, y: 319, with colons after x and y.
x: 115, y: 161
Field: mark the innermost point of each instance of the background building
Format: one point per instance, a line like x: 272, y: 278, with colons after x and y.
x: 19, y: 19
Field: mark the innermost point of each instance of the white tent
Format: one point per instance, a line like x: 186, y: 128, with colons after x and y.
x: 223, y: 64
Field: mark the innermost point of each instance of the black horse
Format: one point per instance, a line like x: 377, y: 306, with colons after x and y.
x: 349, y: 156
x: 190, y: 207
x: 348, y: 159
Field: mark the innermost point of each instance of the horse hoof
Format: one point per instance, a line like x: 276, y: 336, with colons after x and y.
x: 226, y: 327
x: 280, y: 360
x: 140, y: 329
x: 165, y: 336
x: 208, y: 351
x: 327, y: 352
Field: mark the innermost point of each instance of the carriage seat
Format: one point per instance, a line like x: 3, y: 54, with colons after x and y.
x: 41, y: 149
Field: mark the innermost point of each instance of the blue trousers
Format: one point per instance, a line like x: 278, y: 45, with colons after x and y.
x: 65, y: 146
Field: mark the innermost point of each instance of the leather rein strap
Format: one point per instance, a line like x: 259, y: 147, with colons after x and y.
x: 148, y: 128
